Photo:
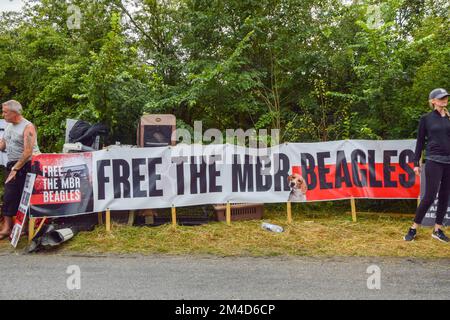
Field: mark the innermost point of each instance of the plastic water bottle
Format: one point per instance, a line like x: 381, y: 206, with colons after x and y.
x: 272, y: 227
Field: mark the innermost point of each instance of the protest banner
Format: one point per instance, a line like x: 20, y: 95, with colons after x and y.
x: 22, y: 212
x: 164, y: 177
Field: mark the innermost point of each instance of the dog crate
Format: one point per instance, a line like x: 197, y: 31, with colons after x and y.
x: 186, y: 216
x: 240, y: 211
x: 156, y: 130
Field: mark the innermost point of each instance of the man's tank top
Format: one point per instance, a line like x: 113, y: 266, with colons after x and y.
x: 14, y: 140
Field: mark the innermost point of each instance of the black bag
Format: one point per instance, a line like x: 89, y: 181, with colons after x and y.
x: 85, y: 133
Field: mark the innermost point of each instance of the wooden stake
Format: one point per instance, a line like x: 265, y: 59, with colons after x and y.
x: 353, y: 205
x: 418, y: 201
x: 108, y: 220
x: 174, y: 217
x: 131, y: 216
x: 100, y: 218
x: 289, y: 212
x: 228, y: 213
x: 40, y: 225
x: 31, y: 224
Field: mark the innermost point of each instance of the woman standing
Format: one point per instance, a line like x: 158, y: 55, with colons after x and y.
x: 434, y: 128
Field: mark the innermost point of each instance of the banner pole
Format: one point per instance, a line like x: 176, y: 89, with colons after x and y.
x: 228, y: 213
x: 289, y: 212
x: 131, y: 217
x: 418, y: 201
x: 31, y: 224
x: 108, y: 220
x: 353, y: 205
x: 40, y: 225
x: 174, y: 216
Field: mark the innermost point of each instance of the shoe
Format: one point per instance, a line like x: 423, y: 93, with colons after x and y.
x: 411, y: 235
x: 440, y: 235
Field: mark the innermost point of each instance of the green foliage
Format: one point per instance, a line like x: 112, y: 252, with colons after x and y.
x: 56, y: 73
x: 316, y: 70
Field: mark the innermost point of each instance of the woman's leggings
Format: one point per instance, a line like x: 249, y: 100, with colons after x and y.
x: 435, y: 174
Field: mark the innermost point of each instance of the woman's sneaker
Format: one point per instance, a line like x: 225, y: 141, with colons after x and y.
x: 411, y: 235
x: 440, y: 235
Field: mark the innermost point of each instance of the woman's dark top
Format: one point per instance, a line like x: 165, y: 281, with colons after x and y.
x: 435, y: 130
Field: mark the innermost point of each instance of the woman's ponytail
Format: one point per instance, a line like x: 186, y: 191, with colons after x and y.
x: 447, y: 113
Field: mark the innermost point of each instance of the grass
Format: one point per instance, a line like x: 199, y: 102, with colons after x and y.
x: 311, y: 234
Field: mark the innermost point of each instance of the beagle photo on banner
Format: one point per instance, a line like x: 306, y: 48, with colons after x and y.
x: 298, y: 188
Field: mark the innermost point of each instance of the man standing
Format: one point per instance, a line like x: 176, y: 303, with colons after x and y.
x: 20, y: 142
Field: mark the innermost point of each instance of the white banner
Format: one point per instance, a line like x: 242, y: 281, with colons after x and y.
x: 138, y: 178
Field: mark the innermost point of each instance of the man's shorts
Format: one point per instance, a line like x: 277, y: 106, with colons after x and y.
x: 13, y: 189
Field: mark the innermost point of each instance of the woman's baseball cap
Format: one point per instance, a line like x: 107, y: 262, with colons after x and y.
x: 438, y: 94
